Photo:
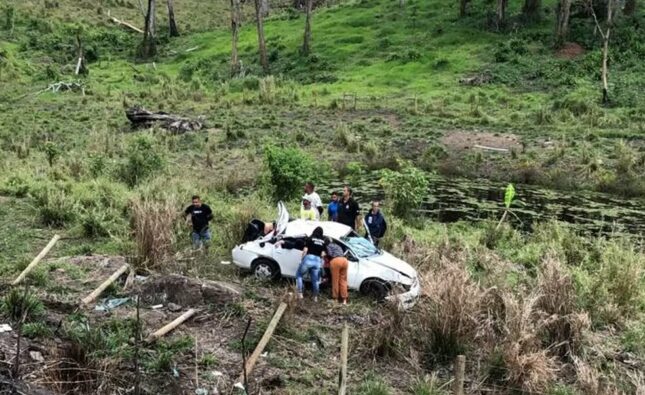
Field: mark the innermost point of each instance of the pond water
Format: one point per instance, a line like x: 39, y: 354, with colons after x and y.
x: 451, y: 200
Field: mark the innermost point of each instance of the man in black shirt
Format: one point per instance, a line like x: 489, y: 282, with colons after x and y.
x: 348, y: 209
x: 199, y: 214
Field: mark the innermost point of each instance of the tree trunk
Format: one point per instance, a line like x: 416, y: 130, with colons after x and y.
x: 501, y: 14
x: 172, y: 25
x: 531, y: 9
x: 562, y: 22
x: 235, y: 29
x: 630, y: 7
x: 266, y: 9
x: 261, y: 44
x: 306, y: 44
x: 605, y: 52
x: 463, y: 4
x: 148, y: 47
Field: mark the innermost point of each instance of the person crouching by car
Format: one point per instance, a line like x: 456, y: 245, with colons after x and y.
x: 338, y: 265
x: 307, y: 212
x: 376, y: 224
x: 311, y: 262
x: 200, y: 214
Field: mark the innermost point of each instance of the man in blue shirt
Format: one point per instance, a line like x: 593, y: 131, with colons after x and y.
x: 332, y: 207
x: 375, y: 222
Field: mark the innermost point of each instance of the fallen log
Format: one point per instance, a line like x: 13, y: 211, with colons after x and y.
x: 124, y: 23
x: 250, y: 363
x: 140, y: 117
x: 168, y: 327
x: 37, y: 259
x: 89, y: 298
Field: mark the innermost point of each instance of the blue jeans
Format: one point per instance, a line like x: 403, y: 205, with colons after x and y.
x: 203, y: 236
x: 310, y: 264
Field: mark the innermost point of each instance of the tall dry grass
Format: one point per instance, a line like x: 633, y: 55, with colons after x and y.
x: 153, y: 226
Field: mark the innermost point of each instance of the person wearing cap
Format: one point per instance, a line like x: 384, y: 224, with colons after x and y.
x: 307, y: 212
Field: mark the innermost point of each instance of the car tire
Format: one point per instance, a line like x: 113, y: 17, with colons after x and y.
x: 265, y: 269
x: 375, y: 288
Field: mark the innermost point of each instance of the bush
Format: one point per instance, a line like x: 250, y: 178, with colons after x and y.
x: 405, y: 189
x: 17, y: 305
x: 55, y: 207
x: 289, y: 169
x: 143, y: 160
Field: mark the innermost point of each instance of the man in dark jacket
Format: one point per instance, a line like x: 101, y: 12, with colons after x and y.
x: 376, y: 224
x: 200, y: 214
x: 349, y: 210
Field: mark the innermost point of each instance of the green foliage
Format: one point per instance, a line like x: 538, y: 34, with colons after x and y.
x: 373, y: 385
x: 289, y: 169
x: 16, y: 305
x: 52, y: 152
x: 144, y: 158
x: 405, y: 189
x: 509, y: 195
x: 36, y: 330
x: 55, y: 207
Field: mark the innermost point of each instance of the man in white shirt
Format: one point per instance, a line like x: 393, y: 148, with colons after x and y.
x: 314, y: 198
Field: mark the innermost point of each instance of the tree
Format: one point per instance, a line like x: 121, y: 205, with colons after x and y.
x: 261, y: 44
x: 563, y: 11
x: 501, y: 13
x: 288, y: 169
x: 235, y: 30
x: 463, y: 5
x: 604, y: 34
x: 531, y: 10
x: 172, y: 26
x: 630, y: 7
x: 149, y: 47
x: 306, y: 44
x: 404, y: 189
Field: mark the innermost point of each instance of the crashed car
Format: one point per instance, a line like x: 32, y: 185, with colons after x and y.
x: 371, y: 271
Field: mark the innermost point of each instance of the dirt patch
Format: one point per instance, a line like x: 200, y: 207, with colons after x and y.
x: 460, y: 140
x: 187, y: 291
x: 570, y: 51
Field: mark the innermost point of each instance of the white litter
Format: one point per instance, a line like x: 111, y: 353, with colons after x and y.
x: 239, y: 386
x: 217, y: 373
x: 265, y: 354
x: 5, y: 328
x: 36, y: 356
x: 157, y: 306
x: 225, y: 262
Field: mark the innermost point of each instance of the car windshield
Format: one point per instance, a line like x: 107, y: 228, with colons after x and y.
x: 360, y: 245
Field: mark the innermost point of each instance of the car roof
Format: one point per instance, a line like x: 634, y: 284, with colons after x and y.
x: 301, y: 227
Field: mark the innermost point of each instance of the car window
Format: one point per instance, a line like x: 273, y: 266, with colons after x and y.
x: 360, y: 245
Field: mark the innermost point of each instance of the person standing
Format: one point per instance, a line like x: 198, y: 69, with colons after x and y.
x: 332, y: 207
x: 338, y: 265
x: 349, y: 210
x: 314, y: 198
x: 200, y: 214
x: 376, y: 224
x: 307, y: 212
x: 311, y: 262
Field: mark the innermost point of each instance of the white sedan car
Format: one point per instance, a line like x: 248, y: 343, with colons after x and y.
x: 371, y: 271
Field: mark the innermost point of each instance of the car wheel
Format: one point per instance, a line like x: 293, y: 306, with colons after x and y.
x: 375, y: 288
x: 265, y: 269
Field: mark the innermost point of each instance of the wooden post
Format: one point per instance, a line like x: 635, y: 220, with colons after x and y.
x: 36, y: 260
x: 168, y: 327
x: 344, y: 350
x: 250, y: 363
x: 89, y: 298
x: 458, y: 381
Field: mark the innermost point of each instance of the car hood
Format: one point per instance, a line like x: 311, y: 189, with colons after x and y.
x: 390, y: 261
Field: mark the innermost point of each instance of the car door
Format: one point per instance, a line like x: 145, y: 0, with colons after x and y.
x: 288, y: 258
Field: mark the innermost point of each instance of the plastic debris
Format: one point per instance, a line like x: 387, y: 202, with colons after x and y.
x: 110, y: 304
x: 157, y: 306
x: 265, y: 354
x: 174, y: 307
x: 5, y: 328
x: 217, y: 373
x: 140, y: 279
x: 36, y: 356
x: 175, y: 372
x: 201, y: 391
x: 225, y: 262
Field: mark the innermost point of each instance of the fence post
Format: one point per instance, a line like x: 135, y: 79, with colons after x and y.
x: 458, y: 381
x: 344, y: 350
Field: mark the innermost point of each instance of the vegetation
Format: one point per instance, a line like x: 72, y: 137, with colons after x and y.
x: 384, y: 95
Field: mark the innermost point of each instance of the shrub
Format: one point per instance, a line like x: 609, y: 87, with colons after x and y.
x: 52, y: 152
x: 153, y: 227
x: 143, y: 159
x: 267, y: 91
x: 405, y: 189
x: 289, y: 169
x: 33, y: 330
x: 17, y: 305
x: 55, y: 207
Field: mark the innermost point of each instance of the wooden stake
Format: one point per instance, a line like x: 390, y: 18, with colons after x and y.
x: 36, y: 260
x: 168, y: 327
x: 344, y: 350
x: 250, y: 363
x: 124, y: 23
x: 89, y: 298
x: 458, y: 381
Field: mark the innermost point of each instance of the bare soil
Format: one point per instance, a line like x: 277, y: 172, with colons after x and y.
x: 570, y: 51
x: 461, y: 140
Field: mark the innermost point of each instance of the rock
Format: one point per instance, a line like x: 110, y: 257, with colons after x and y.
x: 36, y: 356
x: 174, y: 307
